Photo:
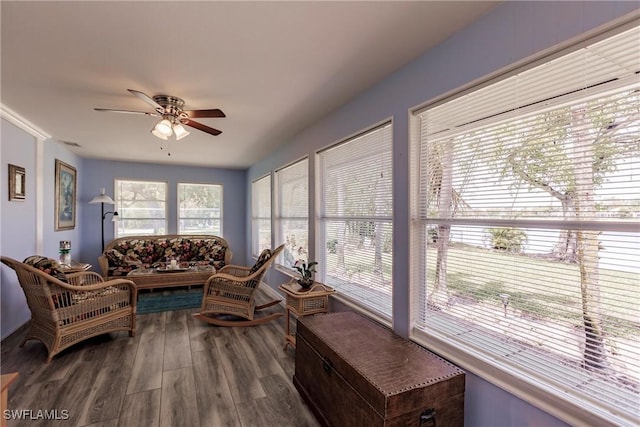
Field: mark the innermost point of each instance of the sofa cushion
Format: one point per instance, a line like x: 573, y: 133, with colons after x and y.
x: 150, y: 251
x: 216, y: 252
x: 180, y: 248
x: 48, y: 265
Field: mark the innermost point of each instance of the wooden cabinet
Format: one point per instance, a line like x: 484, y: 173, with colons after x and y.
x: 352, y: 371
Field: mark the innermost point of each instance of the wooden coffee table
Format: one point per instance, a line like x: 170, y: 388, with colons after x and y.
x: 151, y: 278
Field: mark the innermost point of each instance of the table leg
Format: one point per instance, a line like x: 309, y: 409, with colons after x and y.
x: 288, y: 339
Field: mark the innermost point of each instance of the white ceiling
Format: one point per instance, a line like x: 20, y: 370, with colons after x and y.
x: 274, y: 68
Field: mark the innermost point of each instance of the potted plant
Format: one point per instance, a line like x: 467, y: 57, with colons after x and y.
x: 306, y: 271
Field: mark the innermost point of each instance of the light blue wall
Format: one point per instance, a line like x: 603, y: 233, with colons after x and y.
x: 102, y: 173
x: 51, y: 238
x: 510, y: 33
x: 17, y: 222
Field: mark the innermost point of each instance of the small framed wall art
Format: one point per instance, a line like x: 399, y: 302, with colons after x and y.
x: 17, y: 183
x: 65, y: 196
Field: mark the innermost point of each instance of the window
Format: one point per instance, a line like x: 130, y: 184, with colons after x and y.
x: 292, y: 212
x: 260, y: 215
x: 356, y: 207
x: 200, y: 209
x: 525, y: 229
x: 141, y: 206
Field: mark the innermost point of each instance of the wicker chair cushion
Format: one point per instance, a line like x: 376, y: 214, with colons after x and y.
x: 48, y: 265
x: 262, y: 259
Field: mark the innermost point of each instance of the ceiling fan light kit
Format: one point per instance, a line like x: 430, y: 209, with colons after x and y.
x: 163, y: 129
x: 156, y: 133
x: 173, y: 116
x: 180, y: 131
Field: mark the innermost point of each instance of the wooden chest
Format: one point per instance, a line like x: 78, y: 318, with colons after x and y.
x: 352, y: 371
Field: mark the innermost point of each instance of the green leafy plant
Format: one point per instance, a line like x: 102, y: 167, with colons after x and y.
x: 306, y: 271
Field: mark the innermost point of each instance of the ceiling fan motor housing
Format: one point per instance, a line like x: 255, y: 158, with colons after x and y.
x: 172, y: 107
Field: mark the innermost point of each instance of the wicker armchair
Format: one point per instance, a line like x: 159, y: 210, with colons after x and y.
x: 232, y: 291
x: 63, y: 314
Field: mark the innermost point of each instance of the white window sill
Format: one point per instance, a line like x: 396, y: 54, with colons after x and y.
x: 553, y: 400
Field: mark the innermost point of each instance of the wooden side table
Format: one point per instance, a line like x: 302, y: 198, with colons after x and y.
x: 303, y: 303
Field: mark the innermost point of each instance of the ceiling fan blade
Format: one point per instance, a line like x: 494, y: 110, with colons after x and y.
x: 215, y: 112
x: 159, y: 108
x: 201, y: 127
x: 111, y: 110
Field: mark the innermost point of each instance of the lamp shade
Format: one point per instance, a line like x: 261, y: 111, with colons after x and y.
x: 180, y: 131
x: 163, y: 127
x: 102, y: 198
x: 155, y: 132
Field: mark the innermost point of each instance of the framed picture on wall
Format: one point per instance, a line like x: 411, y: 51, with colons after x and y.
x: 17, y: 183
x: 65, y: 205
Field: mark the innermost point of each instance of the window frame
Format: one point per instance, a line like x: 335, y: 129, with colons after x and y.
x: 278, y: 218
x: 119, y: 209
x: 256, y: 215
x: 495, y: 370
x: 322, y: 219
x: 220, y: 218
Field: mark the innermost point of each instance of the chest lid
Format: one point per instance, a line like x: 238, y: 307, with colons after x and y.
x: 393, y: 374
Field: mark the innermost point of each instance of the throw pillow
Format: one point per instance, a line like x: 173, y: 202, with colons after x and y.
x: 262, y: 259
x: 48, y: 265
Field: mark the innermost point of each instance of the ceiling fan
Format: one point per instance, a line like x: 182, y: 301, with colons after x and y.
x: 173, y: 116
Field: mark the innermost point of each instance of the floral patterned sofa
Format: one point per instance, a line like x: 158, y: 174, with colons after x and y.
x: 125, y: 254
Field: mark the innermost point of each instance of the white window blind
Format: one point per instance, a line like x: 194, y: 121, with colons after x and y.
x: 292, y: 212
x: 200, y: 209
x: 260, y: 215
x: 356, y: 206
x: 526, y: 225
x: 141, y: 206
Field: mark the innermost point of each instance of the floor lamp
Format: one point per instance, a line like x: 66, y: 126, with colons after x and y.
x: 102, y: 199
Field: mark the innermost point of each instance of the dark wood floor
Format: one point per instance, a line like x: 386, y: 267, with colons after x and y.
x: 176, y: 371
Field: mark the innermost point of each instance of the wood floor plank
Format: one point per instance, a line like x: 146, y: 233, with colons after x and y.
x: 107, y: 393
x: 243, y: 382
x: 141, y: 409
x: 257, y: 352
x: 40, y: 396
x: 147, y: 366
x: 178, y: 404
x: 177, y: 353
x: 269, y: 411
x: 71, y: 392
x: 272, y: 336
x: 259, y: 413
x: 150, y: 323
x: 238, y: 376
x: 108, y: 423
x: 201, y: 334
x: 215, y: 403
x: 58, y: 368
x: 285, y: 401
